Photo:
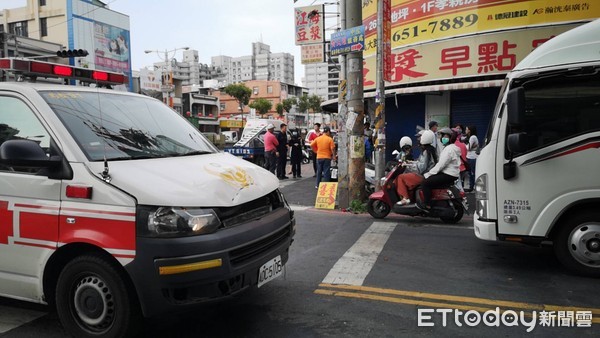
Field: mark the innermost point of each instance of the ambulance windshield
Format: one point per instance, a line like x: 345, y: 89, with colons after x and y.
x: 123, y: 127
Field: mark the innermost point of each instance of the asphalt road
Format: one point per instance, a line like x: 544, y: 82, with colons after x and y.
x: 350, y: 275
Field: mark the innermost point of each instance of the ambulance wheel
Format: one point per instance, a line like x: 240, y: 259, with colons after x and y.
x: 377, y: 208
x: 577, y: 243
x: 93, y: 300
x: 458, y: 215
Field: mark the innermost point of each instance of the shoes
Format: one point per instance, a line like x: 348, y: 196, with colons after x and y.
x: 299, y: 176
x: 283, y: 178
x: 403, y: 201
x: 315, y: 175
x: 294, y: 176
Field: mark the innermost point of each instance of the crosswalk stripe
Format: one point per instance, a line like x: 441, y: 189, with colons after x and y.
x: 11, y: 317
x: 354, y: 266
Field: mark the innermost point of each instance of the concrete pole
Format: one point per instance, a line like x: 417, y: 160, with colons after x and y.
x: 379, y: 129
x: 356, y: 144
x: 343, y: 181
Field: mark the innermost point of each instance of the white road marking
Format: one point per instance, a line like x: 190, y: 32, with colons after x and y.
x: 11, y: 317
x: 354, y: 266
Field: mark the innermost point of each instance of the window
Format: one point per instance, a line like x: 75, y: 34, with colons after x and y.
x: 222, y: 105
x: 560, y: 107
x: 255, y: 90
x: 18, y: 28
x: 42, y: 2
x: 270, y: 89
x: 43, y: 27
x: 17, y: 121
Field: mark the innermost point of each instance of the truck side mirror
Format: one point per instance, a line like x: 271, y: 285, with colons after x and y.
x: 516, y: 107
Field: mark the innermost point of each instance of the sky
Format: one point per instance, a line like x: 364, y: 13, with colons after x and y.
x: 213, y: 27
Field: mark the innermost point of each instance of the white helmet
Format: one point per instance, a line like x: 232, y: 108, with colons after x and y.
x: 427, y: 137
x: 405, y: 141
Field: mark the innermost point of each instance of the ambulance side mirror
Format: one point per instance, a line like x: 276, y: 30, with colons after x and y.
x: 26, y: 153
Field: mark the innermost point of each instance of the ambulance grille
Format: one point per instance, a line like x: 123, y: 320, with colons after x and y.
x: 249, y: 211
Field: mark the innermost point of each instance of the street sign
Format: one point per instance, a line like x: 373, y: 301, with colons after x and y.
x: 348, y: 40
x: 326, y: 195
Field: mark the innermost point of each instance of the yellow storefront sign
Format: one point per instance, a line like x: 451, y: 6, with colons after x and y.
x: 231, y: 123
x: 326, y: 195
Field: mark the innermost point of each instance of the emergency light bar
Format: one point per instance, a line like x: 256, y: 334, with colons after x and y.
x: 34, y: 69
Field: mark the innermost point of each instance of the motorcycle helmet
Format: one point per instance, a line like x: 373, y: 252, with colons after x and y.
x: 405, y: 141
x: 427, y: 137
x: 446, y: 131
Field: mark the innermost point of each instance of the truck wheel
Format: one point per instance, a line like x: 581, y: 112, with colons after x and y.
x: 92, y: 300
x: 377, y: 208
x: 458, y: 215
x: 577, y: 243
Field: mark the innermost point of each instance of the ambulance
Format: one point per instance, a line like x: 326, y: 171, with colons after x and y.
x: 114, y: 208
x: 537, y: 177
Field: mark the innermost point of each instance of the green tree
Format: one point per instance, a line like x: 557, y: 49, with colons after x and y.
x: 289, y: 103
x: 241, y: 93
x: 279, y: 109
x: 261, y: 105
x: 303, y: 104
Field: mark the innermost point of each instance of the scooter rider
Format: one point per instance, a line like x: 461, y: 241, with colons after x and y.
x: 406, y: 148
x: 446, y: 171
x: 426, y: 161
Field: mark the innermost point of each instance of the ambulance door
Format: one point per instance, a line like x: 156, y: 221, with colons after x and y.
x: 29, y: 205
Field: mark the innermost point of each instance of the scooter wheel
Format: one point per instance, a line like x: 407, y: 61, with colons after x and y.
x: 377, y: 208
x: 457, y: 215
x: 305, y: 160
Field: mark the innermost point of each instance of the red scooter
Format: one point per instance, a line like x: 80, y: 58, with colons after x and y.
x: 448, y: 204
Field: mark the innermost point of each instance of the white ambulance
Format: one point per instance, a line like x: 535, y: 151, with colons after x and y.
x: 538, y: 174
x: 114, y: 207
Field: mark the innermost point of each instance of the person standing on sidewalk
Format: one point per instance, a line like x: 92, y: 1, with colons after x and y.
x: 472, y: 154
x: 296, y: 153
x: 271, y: 153
x: 324, y: 147
x: 312, y: 135
x: 282, y: 150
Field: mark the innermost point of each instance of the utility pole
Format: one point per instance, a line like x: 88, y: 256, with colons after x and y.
x: 380, y: 94
x: 354, y: 123
x: 343, y: 200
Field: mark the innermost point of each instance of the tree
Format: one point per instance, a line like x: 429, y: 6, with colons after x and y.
x: 289, y: 103
x: 261, y: 105
x: 303, y: 104
x: 314, y: 103
x: 241, y: 93
x: 279, y: 109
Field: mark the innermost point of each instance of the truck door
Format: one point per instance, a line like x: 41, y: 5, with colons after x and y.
x: 558, y: 157
x: 29, y: 205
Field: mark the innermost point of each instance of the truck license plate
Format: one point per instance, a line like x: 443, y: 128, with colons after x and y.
x: 269, y: 271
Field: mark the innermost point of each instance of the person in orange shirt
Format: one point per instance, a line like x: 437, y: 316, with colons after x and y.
x: 324, y: 147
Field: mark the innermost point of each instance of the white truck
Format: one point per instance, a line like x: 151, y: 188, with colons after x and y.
x: 537, y: 176
x: 114, y: 207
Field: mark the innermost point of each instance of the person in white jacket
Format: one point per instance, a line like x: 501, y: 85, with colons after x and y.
x: 447, y: 169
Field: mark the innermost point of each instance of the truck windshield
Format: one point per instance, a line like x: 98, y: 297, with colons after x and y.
x: 123, y: 127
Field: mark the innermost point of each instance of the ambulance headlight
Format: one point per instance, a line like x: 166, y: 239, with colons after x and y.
x: 177, y: 222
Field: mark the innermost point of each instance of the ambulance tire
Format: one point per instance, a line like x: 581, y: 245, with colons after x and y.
x: 93, y: 300
x: 577, y: 243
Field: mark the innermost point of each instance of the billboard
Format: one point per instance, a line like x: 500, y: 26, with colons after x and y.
x: 418, y: 21
x: 309, y: 22
x: 314, y: 53
x: 111, y: 48
x: 472, y: 56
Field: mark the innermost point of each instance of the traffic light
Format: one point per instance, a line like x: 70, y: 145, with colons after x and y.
x: 69, y: 53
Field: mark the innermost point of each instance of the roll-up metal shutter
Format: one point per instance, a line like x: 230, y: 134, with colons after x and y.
x: 473, y: 107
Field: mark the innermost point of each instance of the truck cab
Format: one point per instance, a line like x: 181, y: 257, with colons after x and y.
x: 536, y: 176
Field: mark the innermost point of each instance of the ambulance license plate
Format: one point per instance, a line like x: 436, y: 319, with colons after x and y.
x: 269, y: 271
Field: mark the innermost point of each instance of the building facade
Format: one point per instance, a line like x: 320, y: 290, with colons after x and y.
x: 68, y: 24
x: 322, y: 79
x: 274, y: 91
x: 449, y: 59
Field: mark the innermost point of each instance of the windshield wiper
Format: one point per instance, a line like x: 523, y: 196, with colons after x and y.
x: 196, y: 152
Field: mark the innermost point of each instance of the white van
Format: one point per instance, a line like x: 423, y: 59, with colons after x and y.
x: 537, y: 175
x: 114, y: 207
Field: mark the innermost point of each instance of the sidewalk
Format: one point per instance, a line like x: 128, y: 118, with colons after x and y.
x: 302, y: 192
